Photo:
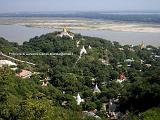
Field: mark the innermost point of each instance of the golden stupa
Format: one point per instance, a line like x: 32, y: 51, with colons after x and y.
x: 142, y: 45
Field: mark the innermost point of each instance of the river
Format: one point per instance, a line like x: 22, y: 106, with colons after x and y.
x: 19, y: 34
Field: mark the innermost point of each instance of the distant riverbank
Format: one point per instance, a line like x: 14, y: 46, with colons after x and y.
x: 81, y: 24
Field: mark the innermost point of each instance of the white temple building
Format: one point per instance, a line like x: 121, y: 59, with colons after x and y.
x: 7, y: 62
x: 129, y: 60
x: 79, y: 99
x: 96, y: 89
x: 65, y: 33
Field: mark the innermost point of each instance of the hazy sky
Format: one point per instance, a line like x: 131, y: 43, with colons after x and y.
x: 77, y: 5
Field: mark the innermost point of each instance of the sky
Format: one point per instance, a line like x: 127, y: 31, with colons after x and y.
x: 78, y: 5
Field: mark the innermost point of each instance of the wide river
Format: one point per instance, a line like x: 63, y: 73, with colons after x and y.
x: 19, y: 34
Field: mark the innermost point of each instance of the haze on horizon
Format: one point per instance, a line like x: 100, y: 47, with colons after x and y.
x: 6, y: 6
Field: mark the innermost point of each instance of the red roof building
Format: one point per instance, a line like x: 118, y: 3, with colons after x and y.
x: 122, y: 78
x: 24, y: 74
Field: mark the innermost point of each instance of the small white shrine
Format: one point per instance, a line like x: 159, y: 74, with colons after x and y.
x: 89, y: 47
x: 79, y: 99
x: 96, y: 89
x: 83, y: 51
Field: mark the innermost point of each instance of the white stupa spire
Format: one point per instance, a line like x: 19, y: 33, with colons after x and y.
x: 96, y: 89
x: 83, y: 51
x: 78, y: 42
x: 89, y: 47
x: 79, y: 99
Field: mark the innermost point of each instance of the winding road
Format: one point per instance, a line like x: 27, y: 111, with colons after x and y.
x: 16, y: 59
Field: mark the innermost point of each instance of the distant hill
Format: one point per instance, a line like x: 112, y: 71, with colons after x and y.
x: 6, y: 46
x: 117, y: 16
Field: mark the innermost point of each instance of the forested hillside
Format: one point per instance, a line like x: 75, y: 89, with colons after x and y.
x: 101, y: 63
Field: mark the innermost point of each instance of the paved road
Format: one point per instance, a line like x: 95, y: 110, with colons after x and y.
x: 16, y: 59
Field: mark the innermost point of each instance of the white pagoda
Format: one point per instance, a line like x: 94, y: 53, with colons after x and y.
x: 89, y: 47
x: 79, y: 99
x: 96, y: 89
x: 65, y: 33
x: 83, y: 51
x: 78, y: 42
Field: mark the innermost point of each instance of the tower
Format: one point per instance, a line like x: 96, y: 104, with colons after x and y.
x: 65, y: 29
x: 141, y: 45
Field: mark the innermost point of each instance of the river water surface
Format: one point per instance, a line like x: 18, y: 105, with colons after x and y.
x: 19, y: 34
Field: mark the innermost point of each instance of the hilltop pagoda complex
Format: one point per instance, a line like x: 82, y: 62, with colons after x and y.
x: 66, y: 33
